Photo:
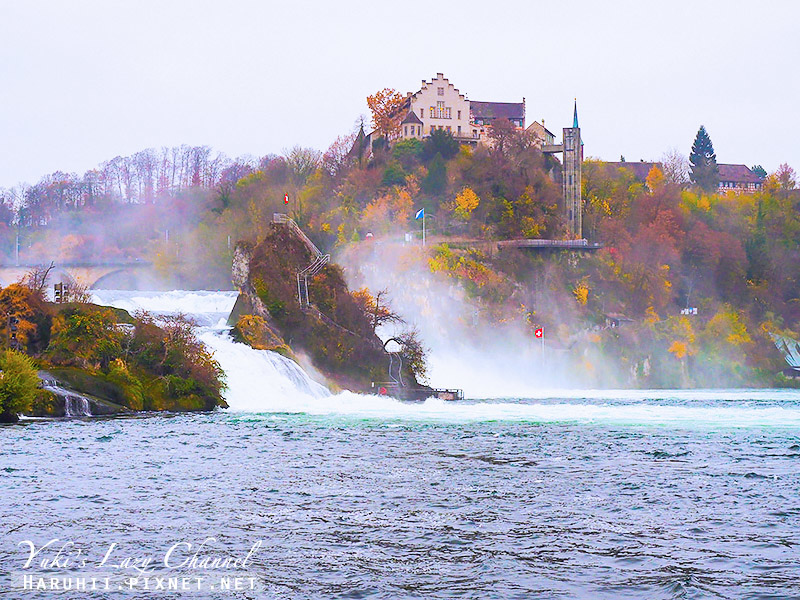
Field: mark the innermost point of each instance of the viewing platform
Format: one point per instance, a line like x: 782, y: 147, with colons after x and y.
x: 539, y: 244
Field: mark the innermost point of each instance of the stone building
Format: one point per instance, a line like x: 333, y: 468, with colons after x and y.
x: 544, y: 136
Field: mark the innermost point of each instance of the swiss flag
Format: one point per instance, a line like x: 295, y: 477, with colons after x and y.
x: 286, y: 198
x: 539, y: 333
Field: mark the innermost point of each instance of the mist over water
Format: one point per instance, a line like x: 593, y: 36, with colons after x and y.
x: 485, y: 358
x: 264, y: 382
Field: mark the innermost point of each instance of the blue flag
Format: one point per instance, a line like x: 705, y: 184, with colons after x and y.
x: 420, y: 214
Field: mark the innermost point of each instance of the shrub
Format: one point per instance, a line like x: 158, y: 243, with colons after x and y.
x: 18, y: 385
x: 85, y: 337
x: 173, y: 349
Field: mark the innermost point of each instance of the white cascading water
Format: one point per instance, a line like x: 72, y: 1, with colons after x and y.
x: 260, y: 381
x: 75, y: 405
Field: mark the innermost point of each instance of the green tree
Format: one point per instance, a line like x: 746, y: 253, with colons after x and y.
x: 704, y: 170
x: 86, y: 337
x: 407, y: 152
x: 393, y: 174
x: 441, y: 142
x: 759, y: 170
x: 18, y: 384
x: 435, y: 181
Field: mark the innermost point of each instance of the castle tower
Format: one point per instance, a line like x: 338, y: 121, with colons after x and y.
x: 573, y: 158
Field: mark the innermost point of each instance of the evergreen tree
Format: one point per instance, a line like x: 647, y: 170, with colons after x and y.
x: 760, y: 171
x: 704, y: 172
x: 440, y: 142
x: 435, y: 181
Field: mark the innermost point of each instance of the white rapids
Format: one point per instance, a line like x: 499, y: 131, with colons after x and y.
x: 263, y: 382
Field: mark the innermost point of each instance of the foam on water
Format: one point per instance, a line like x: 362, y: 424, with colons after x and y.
x: 265, y: 383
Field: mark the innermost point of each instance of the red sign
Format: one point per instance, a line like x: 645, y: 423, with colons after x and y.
x: 286, y: 198
x: 539, y: 333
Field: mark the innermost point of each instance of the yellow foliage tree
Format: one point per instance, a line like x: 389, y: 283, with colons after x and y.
x: 655, y: 179
x: 466, y: 202
x: 403, y: 205
x: 581, y: 292
x: 678, y: 348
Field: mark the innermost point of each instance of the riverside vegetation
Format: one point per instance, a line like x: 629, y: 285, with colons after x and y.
x: 122, y: 362
x: 669, y: 243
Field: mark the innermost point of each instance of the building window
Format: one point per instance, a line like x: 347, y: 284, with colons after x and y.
x: 440, y: 91
x: 421, y: 112
x: 448, y: 113
x: 432, y: 113
x: 448, y: 128
x: 405, y: 131
x: 459, y: 115
x: 459, y: 131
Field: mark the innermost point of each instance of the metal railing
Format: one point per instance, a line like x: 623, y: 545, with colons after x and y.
x: 319, y: 262
x: 283, y: 219
x: 303, y: 276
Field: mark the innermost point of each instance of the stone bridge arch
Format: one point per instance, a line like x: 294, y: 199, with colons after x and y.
x: 88, y: 274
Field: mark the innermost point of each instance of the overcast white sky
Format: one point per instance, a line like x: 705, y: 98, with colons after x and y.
x: 84, y: 81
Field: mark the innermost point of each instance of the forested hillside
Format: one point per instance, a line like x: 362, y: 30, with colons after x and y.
x: 668, y: 244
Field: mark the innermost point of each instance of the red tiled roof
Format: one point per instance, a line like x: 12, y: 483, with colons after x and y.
x: 497, y: 110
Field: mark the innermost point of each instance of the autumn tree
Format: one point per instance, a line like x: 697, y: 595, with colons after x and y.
x: 385, y: 106
x: 786, y: 178
x: 655, y: 179
x: 414, y: 353
x: 675, y: 168
x: 337, y: 157
x: 302, y: 163
x: 500, y: 133
x: 376, y: 308
x: 86, y: 337
x: 466, y: 201
x: 703, y: 160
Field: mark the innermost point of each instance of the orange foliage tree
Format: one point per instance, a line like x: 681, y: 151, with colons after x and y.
x: 385, y: 106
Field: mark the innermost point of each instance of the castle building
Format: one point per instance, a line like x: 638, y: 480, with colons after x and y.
x: 440, y: 105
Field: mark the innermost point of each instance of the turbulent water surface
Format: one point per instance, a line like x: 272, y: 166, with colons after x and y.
x: 558, y: 495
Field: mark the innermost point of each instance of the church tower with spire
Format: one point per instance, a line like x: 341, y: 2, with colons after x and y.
x: 573, y: 159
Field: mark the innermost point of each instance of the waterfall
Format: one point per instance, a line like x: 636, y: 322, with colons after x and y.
x: 75, y: 405
x: 260, y: 380
x: 257, y: 380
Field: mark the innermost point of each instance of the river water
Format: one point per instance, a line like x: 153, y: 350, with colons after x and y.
x: 612, y: 494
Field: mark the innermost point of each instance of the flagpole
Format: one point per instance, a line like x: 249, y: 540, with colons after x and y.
x: 423, y: 228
